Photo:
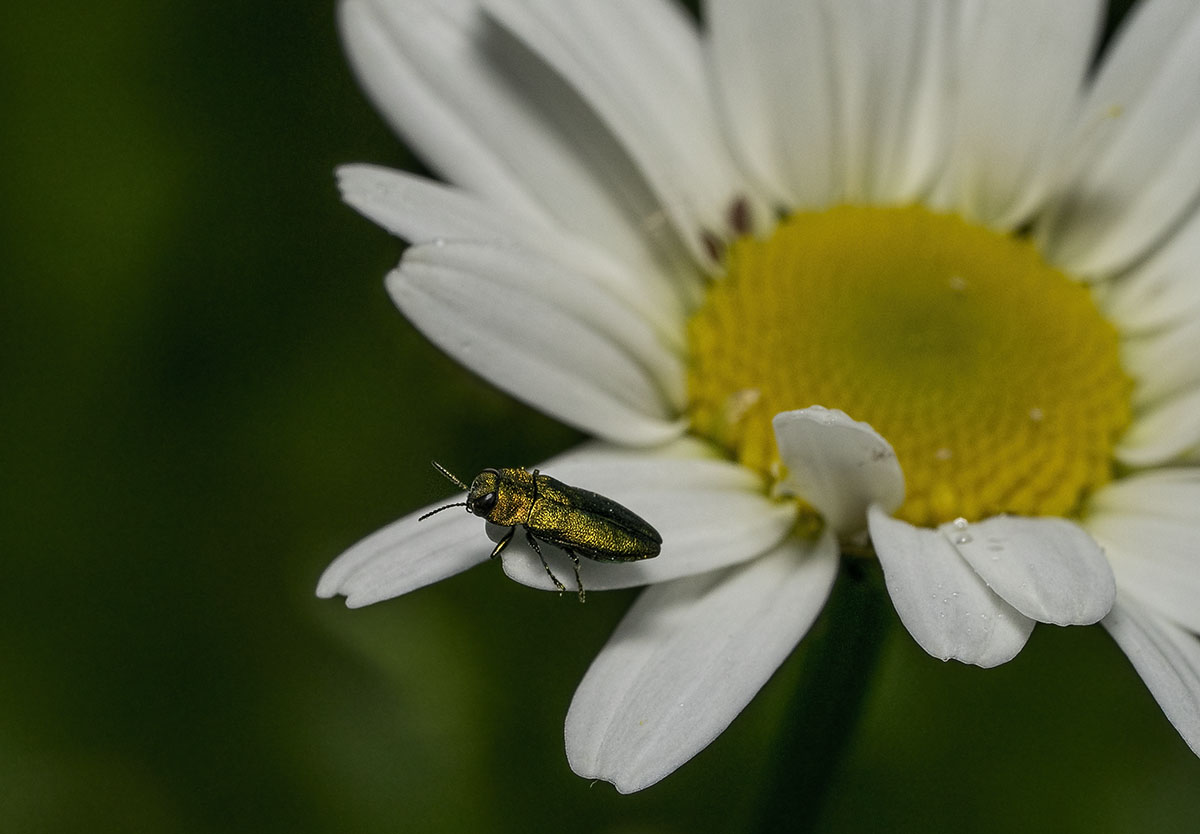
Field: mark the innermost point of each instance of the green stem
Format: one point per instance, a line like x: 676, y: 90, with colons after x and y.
x: 842, y: 652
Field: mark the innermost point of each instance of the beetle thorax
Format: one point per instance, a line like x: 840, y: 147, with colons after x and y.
x: 514, y: 496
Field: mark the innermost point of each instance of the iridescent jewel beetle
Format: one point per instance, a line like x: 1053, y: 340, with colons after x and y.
x: 579, y: 522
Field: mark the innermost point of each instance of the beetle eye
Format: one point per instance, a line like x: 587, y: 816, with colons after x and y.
x: 483, y: 504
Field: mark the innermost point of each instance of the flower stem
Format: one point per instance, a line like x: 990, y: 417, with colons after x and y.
x: 842, y: 652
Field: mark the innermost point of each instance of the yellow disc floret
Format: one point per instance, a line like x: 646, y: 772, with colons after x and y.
x: 991, y: 373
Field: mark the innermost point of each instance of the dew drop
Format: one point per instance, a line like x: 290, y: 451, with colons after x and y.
x: 957, y: 283
x: 960, y: 523
x: 964, y: 538
x: 943, y: 453
x: 1036, y: 414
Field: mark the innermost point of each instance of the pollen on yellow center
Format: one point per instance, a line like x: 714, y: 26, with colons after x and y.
x: 992, y: 374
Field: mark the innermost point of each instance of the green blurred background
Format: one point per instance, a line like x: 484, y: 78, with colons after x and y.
x: 207, y: 395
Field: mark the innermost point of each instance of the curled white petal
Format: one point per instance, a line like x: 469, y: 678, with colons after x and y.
x: 944, y: 604
x: 687, y: 658
x: 1047, y: 568
x: 406, y: 555
x: 710, y: 514
x: 1168, y: 660
x: 838, y: 465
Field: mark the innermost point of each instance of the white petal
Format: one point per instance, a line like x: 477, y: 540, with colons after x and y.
x: 710, y: 514
x: 687, y: 659
x: 1134, y: 161
x: 838, y: 465
x: 557, y: 341
x: 1019, y: 70
x: 1047, y: 568
x: 1150, y: 528
x: 1163, y: 290
x: 1164, y: 432
x: 837, y: 101
x: 903, y: 101
x: 1164, y: 362
x: 1156, y: 559
x: 480, y: 113
x: 773, y: 80
x: 1167, y: 658
x: 942, y: 602
x: 639, y: 65
x: 406, y: 555
x: 405, y: 55
x: 686, y: 447
x: 1165, y: 493
x: 423, y: 211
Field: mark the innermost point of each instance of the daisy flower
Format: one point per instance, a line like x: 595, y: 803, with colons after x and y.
x: 916, y: 281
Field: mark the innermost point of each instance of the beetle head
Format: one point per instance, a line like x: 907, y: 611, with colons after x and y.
x: 484, y: 493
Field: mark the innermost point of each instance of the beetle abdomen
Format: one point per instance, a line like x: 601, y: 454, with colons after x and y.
x: 590, y: 524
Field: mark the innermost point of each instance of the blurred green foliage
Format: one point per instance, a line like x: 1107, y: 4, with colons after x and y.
x: 207, y: 396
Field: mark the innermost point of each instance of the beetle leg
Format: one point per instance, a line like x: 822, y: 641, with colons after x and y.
x: 503, y: 543
x: 578, y: 581
x: 538, y: 550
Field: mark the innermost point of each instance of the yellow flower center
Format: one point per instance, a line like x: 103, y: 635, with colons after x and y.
x: 991, y: 373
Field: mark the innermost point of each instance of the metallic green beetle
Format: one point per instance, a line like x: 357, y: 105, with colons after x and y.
x: 579, y: 522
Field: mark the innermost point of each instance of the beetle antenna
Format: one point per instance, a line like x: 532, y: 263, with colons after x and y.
x: 449, y: 476
x: 439, y: 509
